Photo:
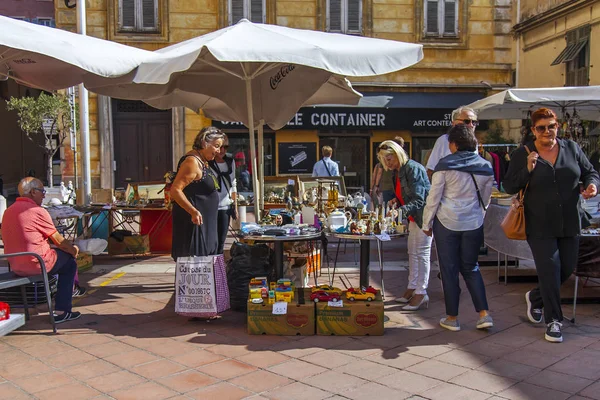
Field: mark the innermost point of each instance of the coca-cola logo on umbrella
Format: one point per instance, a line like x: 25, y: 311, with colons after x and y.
x: 282, y: 73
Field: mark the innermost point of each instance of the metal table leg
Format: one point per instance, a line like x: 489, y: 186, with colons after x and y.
x: 365, y: 250
x: 278, y: 249
x: 380, y: 253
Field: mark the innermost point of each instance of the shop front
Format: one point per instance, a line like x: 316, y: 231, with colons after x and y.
x: 353, y: 132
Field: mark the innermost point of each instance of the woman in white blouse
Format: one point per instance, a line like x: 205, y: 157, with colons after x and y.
x: 460, y: 193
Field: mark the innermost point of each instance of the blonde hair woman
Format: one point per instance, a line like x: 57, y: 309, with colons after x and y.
x: 411, y: 187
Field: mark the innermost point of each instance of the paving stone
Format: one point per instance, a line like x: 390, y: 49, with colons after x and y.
x: 523, y: 390
x: 187, y: 381
x: 408, y: 382
x: 221, y: 391
x: 374, y: 390
x: 197, y: 358
x: 115, y: 381
x: 8, y: 391
x: 584, y: 363
x: 74, y: 391
x: 447, y: 391
x: 428, y: 351
x: 463, y: 359
x: 437, y: 369
x: 146, y: 391
x: 483, y: 382
x: 328, y: 359
x: 366, y: 369
x: 158, y: 369
x: 131, y: 358
x: 260, y: 381
x: 333, y: 381
x: 532, y: 358
x: 43, y: 382
x: 557, y: 381
x: 296, y: 369
x: 509, y: 369
x: 297, y: 391
x: 263, y: 359
x: 227, y: 369
x: 592, y: 391
x: 91, y: 369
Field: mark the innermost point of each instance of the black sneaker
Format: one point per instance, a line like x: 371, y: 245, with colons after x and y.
x: 67, y: 316
x: 79, y: 291
x: 553, y: 333
x: 534, y: 314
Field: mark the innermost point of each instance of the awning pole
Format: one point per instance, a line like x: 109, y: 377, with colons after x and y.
x: 255, y: 182
x: 84, y: 114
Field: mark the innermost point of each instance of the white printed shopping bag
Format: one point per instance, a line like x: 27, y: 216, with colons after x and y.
x: 201, y: 286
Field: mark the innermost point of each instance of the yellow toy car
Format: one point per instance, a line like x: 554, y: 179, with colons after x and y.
x: 327, y: 288
x: 355, y: 294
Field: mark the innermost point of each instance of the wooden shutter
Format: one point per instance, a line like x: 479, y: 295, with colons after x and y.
x: 354, y: 16
x: 450, y: 18
x: 335, y: 16
x: 127, y: 14
x: 237, y: 11
x: 256, y: 11
x: 431, y: 17
x: 149, y: 11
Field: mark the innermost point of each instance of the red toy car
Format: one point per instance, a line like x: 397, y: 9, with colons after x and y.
x: 324, y: 296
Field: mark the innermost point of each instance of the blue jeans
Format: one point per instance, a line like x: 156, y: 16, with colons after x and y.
x: 458, y: 252
x: 65, y: 268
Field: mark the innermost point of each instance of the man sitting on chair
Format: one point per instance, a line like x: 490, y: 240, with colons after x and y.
x: 26, y: 226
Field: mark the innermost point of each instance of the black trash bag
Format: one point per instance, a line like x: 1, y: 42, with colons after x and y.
x: 246, y: 262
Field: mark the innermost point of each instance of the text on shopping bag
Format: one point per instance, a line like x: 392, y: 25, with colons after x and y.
x: 195, y: 284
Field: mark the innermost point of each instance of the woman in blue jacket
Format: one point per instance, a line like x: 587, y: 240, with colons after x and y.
x: 411, y: 186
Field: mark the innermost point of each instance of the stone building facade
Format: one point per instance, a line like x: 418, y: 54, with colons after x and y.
x: 468, y: 51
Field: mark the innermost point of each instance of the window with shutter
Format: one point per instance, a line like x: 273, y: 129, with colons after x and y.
x: 252, y: 10
x: 450, y: 18
x: 344, y: 16
x: 440, y: 18
x: 139, y: 16
x: 354, y: 16
x: 431, y: 17
x: 334, y: 15
x: 576, y: 56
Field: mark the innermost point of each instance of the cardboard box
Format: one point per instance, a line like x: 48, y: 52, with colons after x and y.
x: 84, y: 262
x: 131, y: 245
x: 358, y: 318
x: 299, y: 320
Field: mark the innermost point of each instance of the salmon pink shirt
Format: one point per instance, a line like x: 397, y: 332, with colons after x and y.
x: 27, y: 227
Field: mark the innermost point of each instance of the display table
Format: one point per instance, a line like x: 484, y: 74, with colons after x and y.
x: 365, y: 253
x: 278, y: 242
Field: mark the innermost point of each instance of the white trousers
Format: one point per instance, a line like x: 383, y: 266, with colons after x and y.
x: 419, y: 257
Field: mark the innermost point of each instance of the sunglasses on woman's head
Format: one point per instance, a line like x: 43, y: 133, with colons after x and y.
x: 384, y: 147
x: 542, y: 128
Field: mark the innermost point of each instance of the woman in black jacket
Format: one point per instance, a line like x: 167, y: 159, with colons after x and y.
x: 550, y: 169
x: 411, y: 187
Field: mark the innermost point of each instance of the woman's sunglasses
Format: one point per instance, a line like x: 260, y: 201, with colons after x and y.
x: 542, y: 128
x: 384, y: 147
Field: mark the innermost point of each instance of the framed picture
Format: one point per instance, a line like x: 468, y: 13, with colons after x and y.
x: 307, y: 183
x: 277, y: 187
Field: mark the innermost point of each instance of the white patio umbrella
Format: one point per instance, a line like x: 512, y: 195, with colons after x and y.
x: 517, y: 103
x: 256, y: 72
x: 51, y: 59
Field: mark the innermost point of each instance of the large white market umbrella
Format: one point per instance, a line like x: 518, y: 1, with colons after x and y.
x: 261, y: 72
x: 517, y: 103
x: 51, y: 59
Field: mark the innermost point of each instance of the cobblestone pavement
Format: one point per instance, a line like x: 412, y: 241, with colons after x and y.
x: 129, y: 344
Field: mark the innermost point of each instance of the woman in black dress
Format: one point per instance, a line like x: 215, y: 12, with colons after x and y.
x: 194, y: 192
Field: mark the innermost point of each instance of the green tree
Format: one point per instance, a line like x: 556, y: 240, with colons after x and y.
x: 48, y: 115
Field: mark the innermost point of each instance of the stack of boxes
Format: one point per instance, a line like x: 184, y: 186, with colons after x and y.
x: 306, y: 315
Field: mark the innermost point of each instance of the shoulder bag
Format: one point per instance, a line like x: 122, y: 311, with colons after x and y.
x: 513, y: 224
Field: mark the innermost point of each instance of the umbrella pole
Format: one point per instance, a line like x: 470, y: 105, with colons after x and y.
x: 255, y: 182
x: 261, y: 165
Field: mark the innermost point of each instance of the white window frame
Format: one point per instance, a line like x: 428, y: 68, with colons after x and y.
x: 344, y: 18
x: 246, y: 6
x: 139, y: 19
x: 441, y: 11
x: 45, y: 21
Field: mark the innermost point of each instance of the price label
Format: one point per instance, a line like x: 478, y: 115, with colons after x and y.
x: 291, y: 182
x: 280, y: 308
x: 339, y: 303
